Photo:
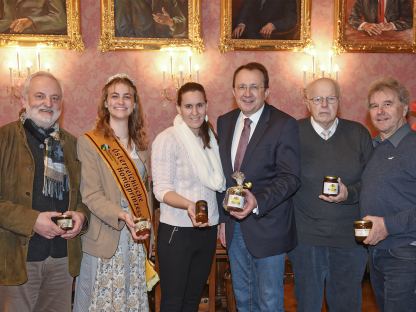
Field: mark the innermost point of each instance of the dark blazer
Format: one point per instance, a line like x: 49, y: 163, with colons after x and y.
x: 399, y: 12
x: 272, y: 164
x: 281, y: 13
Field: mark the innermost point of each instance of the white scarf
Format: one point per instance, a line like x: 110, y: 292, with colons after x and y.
x: 206, y: 161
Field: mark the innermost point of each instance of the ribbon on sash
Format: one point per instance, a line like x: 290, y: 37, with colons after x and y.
x: 130, y: 184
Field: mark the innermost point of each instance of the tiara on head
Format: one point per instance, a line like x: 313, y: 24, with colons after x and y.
x: 120, y: 76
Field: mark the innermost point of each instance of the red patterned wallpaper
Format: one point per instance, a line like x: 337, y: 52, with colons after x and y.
x: 83, y: 74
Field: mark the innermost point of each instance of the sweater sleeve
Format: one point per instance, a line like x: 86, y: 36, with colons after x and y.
x: 163, y: 164
x: 366, y: 149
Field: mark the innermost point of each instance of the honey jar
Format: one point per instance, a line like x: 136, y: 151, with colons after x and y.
x: 330, y: 186
x: 362, y: 229
x: 64, y: 222
x: 201, y: 211
x: 234, y: 196
x: 142, y: 226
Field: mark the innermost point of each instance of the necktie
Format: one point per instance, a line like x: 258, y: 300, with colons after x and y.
x: 242, y: 144
x: 325, y: 134
x: 381, y: 11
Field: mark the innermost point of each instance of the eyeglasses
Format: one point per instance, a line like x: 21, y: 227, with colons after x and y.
x: 318, y: 100
x: 252, y: 88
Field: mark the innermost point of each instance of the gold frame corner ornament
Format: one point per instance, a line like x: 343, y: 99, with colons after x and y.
x: 344, y: 44
x: 72, y: 40
x: 227, y: 43
x: 109, y: 42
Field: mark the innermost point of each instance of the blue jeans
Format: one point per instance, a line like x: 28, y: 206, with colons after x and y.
x: 393, y: 277
x: 336, y: 271
x: 257, y: 282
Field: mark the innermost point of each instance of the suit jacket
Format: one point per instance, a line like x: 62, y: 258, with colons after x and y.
x: 17, y: 217
x: 398, y: 12
x: 48, y: 16
x: 101, y: 194
x: 281, y: 13
x: 272, y: 164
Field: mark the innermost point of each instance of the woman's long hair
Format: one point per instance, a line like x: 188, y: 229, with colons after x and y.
x: 206, y: 125
x: 137, y: 134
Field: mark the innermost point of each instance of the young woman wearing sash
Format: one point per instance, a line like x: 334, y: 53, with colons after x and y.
x: 112, y: 276
x: 186, y: 168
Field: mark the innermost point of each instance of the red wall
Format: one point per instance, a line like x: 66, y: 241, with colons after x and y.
x: 83, y: 74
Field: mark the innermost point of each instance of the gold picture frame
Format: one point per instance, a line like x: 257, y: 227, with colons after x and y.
x: 301, y: 36
x: 110, y: 42
x: 350, y: 36
x: 69, y: 39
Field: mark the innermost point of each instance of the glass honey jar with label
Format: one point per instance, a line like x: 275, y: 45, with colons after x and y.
x: 330, y: 186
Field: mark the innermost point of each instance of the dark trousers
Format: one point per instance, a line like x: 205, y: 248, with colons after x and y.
x: 393, y: 277
x: 336, y: 271
x: 185, y: 257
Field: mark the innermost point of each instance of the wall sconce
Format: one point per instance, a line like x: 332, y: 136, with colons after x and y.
x: 23, y: 63
x: 178, y: 69
x: 320, y: 64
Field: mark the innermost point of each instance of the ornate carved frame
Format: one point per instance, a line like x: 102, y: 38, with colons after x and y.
x: 345, y: 44
x: 72, y: 40
x: 109, y: 42
x: 227, y: 43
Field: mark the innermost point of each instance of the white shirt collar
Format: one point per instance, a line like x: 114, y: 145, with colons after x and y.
x: 318, y: 128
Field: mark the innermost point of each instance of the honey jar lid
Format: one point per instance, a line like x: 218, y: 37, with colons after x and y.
x: 331, y: 177
x: 362, y: 222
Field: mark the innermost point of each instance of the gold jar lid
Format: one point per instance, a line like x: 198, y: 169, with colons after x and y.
x: 331, y: 177
x: 362, y: 222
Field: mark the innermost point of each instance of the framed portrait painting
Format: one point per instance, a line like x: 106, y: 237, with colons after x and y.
x: 150, y: 24
x: 52, y: 23
x: 265, y: 24
x: 375, y: 25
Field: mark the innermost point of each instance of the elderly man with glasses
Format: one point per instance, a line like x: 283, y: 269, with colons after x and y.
x: 327, y: 259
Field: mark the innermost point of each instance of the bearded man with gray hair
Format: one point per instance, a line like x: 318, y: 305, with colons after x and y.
x: 39, y: 181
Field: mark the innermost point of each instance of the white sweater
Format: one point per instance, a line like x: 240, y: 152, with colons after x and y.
x: 172, y: 171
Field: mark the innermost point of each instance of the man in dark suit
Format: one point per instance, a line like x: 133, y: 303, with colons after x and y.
x: 262, y: 19
x: 376, y: 16
x: 258, y: 236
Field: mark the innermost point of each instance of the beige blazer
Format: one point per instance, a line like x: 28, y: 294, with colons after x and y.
x: 102, y: 196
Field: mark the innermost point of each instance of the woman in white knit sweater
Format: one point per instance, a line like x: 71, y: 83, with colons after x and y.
x: 186, y: 168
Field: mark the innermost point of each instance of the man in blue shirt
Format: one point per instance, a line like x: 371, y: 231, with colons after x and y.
x: 388, y: 198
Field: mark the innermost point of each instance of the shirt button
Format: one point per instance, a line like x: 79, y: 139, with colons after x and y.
x: 28, y: 193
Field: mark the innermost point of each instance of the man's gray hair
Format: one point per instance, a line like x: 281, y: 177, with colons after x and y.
x: 390, y: 84
x: 26, y: 85
x: 333, y: 81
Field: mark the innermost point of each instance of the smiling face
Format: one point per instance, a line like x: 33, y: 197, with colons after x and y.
x: 120, y: 101
x: 323, y: 113
x: 43, y: 101
x: 387, y: 113
x: 249, y: 91
x: 193, y: 109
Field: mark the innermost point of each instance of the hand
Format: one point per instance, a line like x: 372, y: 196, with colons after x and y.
x: 45, y: 227
x: 191, y: 214
x: 221, y: 235
x: 378, y: 232
x: 78, y: 220
x: 239, y: 30
x: 19, y: 25
x: 250, y: 204
x: 267, y: 30
x: 128, y: 219
x: 342, y: 196
x: 163, y: 18
x: 372, y: 29
x: 387, y: 26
